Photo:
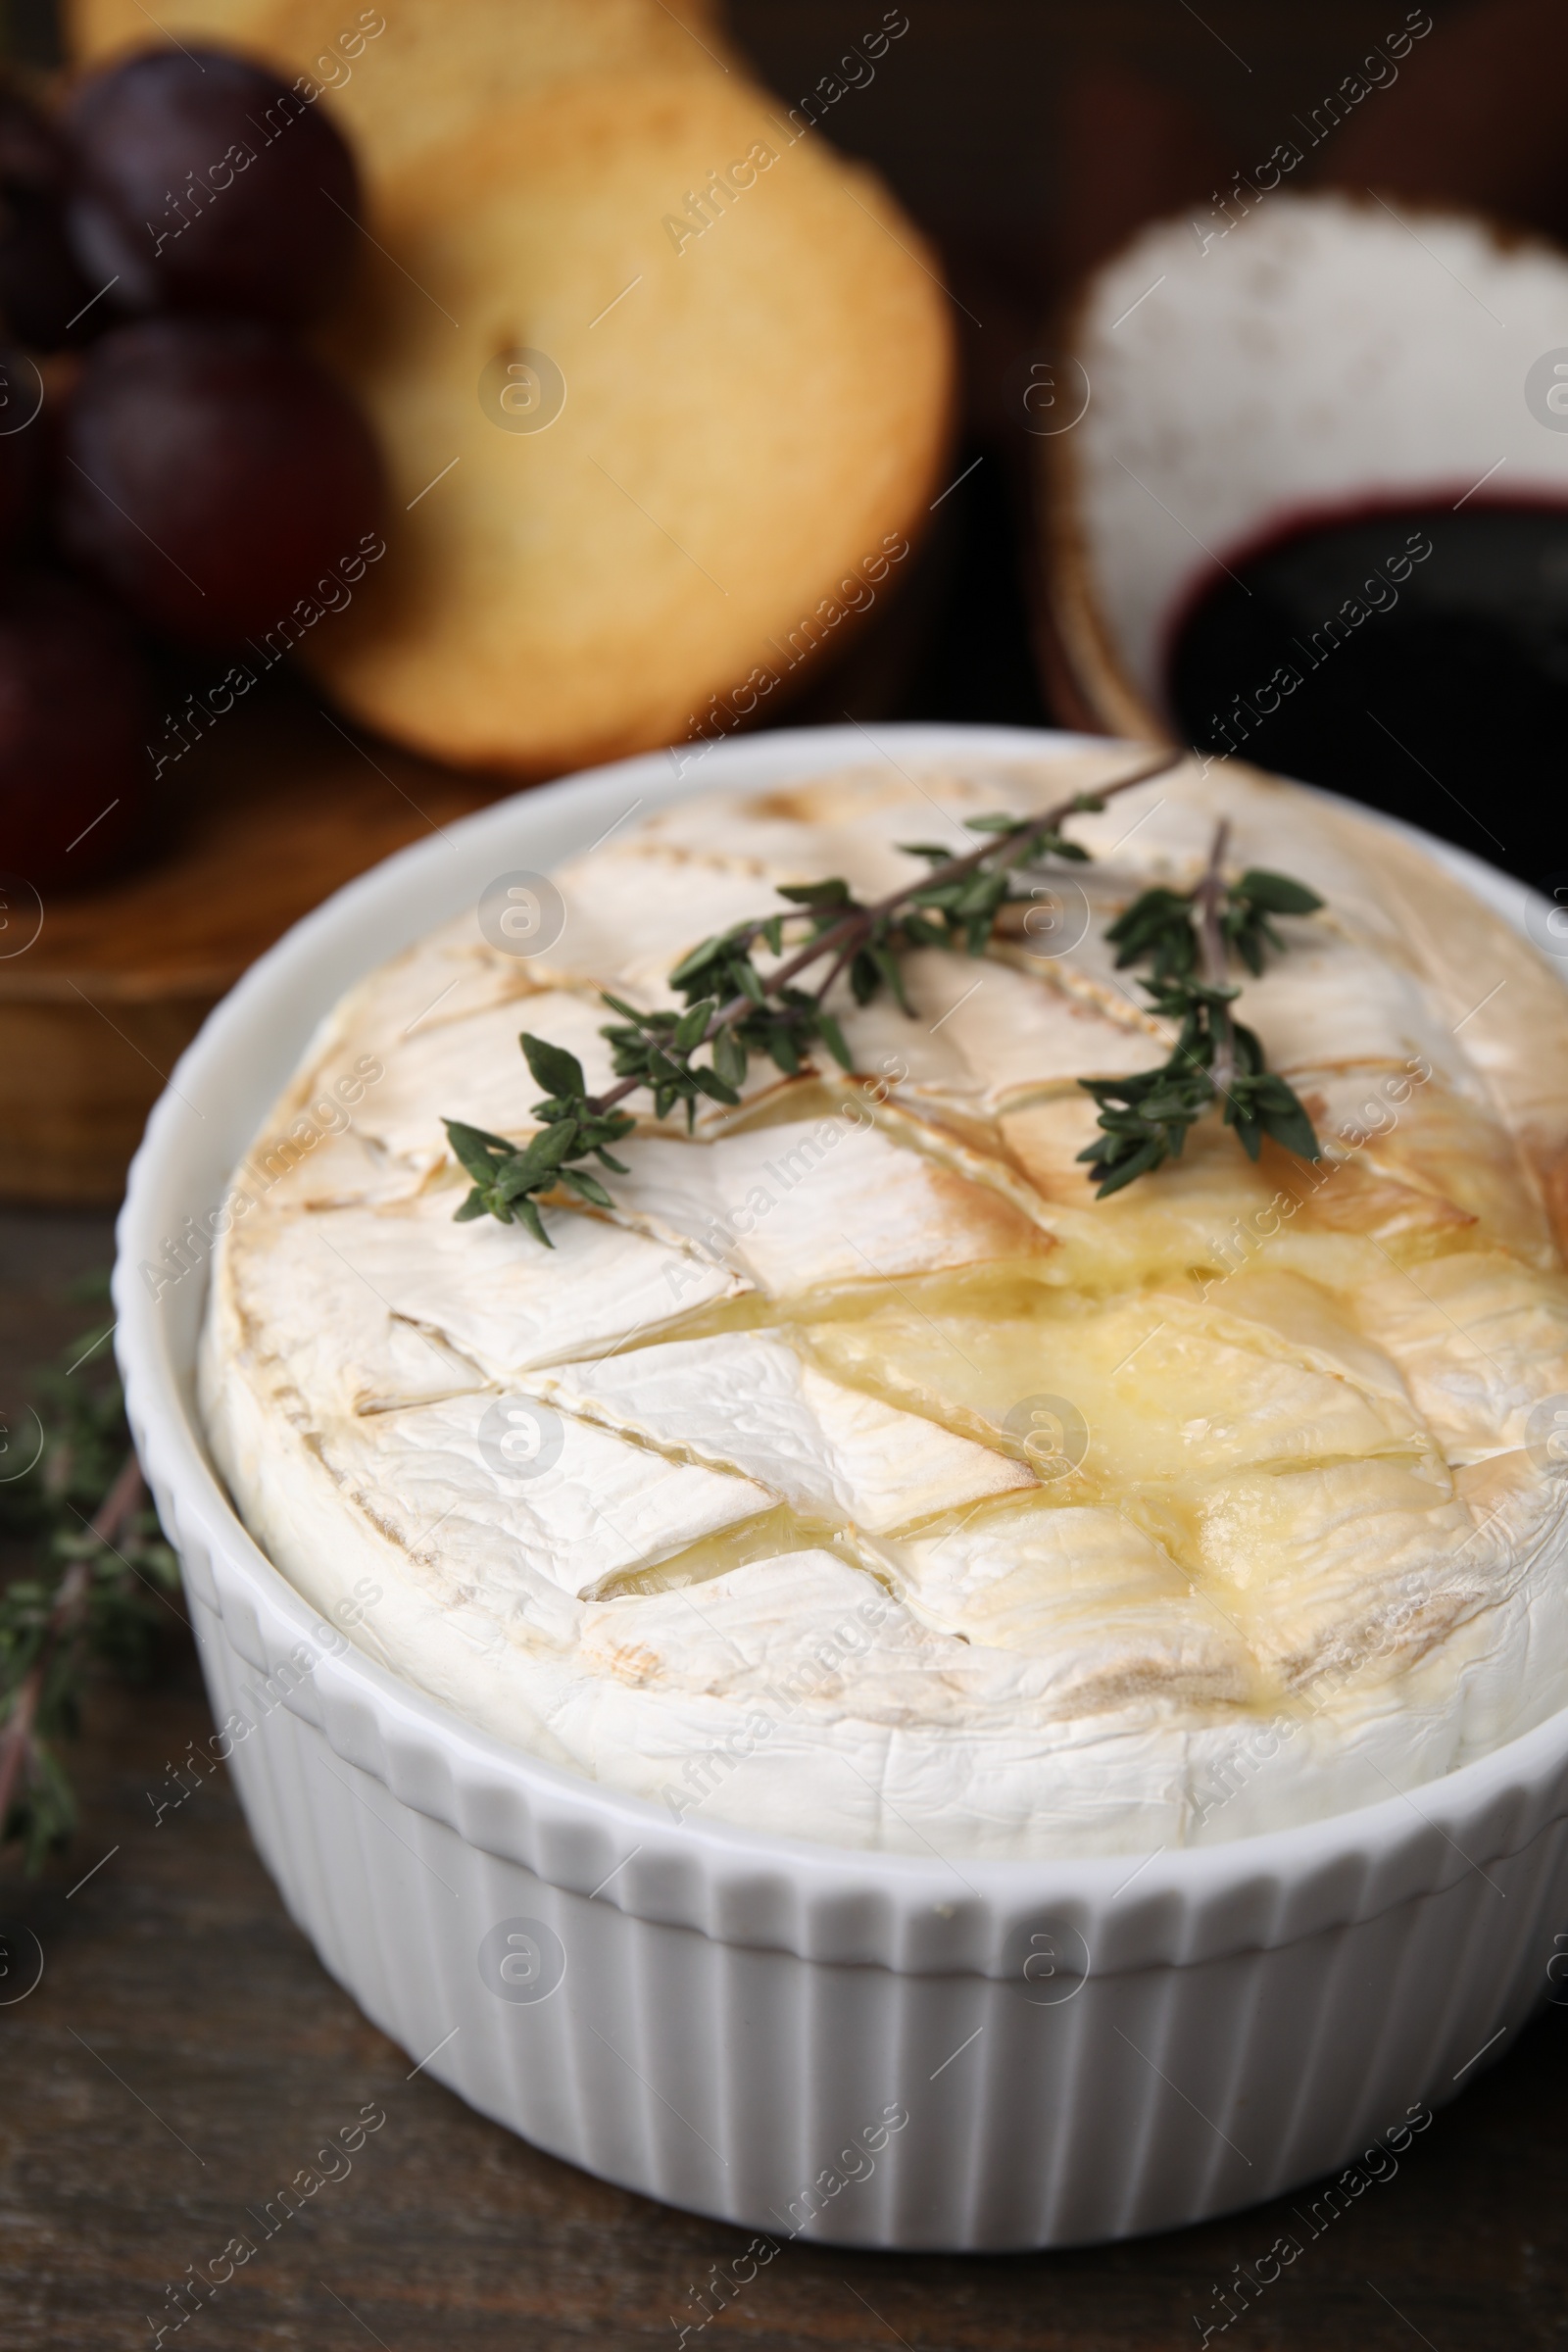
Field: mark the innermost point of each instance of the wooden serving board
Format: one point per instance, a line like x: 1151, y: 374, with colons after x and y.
x: 275, y: 809
x: 271, y: 811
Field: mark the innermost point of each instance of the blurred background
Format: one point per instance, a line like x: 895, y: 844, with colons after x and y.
x: 1027, y: 141
x: 1030, y: 138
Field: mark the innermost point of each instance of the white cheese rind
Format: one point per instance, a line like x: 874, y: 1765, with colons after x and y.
x: 817, y: 1204
x: 748, y: 1402
x: 398, y: 1277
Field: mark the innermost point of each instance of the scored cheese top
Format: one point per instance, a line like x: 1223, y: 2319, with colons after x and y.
x: 860, y: 1477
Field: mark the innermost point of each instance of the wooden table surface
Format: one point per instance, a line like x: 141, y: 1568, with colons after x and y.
x: 185, y: 2052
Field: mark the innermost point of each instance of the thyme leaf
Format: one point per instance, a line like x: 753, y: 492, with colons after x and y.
x: 1188, y: 938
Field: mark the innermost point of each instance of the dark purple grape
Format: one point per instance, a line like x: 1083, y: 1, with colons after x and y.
x: 20, y: 438
x: 43, y: 293
x: 204, y: 183
x: 210, y: 473
x: 74, y: 720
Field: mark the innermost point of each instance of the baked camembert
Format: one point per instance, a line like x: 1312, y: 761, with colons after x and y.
x: 858, y: 1475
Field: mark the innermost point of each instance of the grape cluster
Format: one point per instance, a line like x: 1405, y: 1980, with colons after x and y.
x: 179, y: 470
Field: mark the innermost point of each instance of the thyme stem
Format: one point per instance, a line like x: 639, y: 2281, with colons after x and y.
x: 65, y: 1618
x: 1216, y: 959
x: 843, y: 938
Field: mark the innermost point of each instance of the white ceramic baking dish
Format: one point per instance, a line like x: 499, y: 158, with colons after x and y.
x: 865, y: 2048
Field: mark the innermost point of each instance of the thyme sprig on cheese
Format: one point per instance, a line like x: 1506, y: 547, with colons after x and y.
x: 1190, y: 938
x: 733, y: 1010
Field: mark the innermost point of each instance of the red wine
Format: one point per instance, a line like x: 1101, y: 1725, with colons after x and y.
x: 1415, y: 660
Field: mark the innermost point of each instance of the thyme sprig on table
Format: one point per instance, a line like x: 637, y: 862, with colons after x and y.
x: 1189, y: 937
x: 735, y: 1010
x: 102, y: 1569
